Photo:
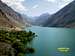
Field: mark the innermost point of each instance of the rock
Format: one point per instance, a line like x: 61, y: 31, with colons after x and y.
x: 6, y: 49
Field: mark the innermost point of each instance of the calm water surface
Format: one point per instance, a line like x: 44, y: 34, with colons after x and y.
x: 49, y: 39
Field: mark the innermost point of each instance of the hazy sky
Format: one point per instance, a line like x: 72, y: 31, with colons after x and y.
x: 37, y: 7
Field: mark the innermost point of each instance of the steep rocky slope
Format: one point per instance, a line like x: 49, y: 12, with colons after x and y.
x: 10, y: 18
x: 63, y: 18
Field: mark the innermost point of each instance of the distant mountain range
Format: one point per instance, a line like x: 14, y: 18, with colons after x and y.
x: 9, y: 18
x: 63, y: 18
x: 40, y: 20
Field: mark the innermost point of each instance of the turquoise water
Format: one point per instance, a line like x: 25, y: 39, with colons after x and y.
x: 49, y: 39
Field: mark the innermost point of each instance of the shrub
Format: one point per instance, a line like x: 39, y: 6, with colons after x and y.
x: 18, y: 40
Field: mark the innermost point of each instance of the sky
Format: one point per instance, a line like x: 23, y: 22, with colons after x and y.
x: 36, y: 7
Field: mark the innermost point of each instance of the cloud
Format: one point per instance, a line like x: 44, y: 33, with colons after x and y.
x: 63, y: 3
x: 20, y: 7
x: 67, y: 1
x: 59, y: 1
x: 35, y: 6
x: 42, y: 6
x: 50, y: 0
x: 16, y: 5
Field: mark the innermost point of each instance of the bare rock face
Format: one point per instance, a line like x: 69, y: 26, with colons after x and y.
x: 9, y: 18
x: 63, y: 18
x: 6, y: 49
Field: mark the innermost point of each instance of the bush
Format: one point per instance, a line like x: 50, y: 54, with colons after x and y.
x: 18, y: 40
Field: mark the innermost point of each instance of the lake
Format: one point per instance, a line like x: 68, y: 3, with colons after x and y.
x: 50, y: 39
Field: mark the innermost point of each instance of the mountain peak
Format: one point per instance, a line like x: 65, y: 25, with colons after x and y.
x: 45, y: 14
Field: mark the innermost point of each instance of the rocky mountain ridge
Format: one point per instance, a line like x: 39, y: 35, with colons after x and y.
x: 9, y: 18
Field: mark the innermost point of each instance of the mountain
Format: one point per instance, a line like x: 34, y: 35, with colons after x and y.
x: 63, y: 18
x: 40, y: 20
x: 27, y: 19
x: 9, y: 18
